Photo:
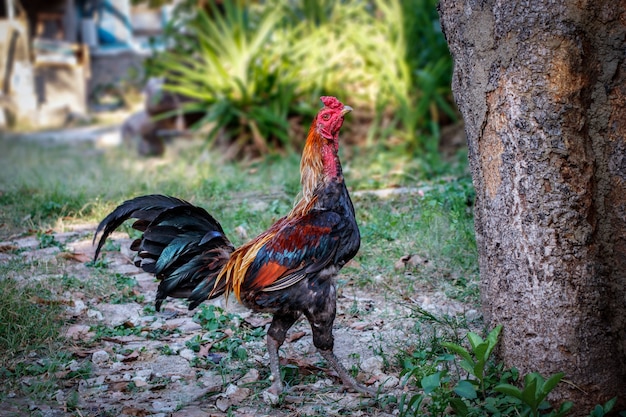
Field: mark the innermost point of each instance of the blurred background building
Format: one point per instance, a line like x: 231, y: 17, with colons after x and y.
x: 56, y: 54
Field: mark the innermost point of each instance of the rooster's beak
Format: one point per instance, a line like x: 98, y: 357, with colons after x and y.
x: 346, y: 110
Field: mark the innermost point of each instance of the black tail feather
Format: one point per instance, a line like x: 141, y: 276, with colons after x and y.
x: 146, y: 207
x: 183, y: 245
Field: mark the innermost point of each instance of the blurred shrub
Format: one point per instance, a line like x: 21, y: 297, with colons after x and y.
x: 254, y: 67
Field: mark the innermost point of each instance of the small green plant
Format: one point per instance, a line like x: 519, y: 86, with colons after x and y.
x: 474, y: 363
x: 126, y: 290
x: 48, y: 240
x: 602, y: 410
x: 212, y: 318
x: 101, y: 331
x: 485, y: 388
x: 167, y: 350
x: 99, y: 263
x: 532, y: 396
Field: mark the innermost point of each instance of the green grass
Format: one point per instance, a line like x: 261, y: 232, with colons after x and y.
x: 30, y: 317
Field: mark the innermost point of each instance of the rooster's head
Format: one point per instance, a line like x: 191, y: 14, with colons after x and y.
x: 330, y: 117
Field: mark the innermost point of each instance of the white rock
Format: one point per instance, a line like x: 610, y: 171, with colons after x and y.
x: 94, y: 314
x: 373, y: 365
x: 269, y: 398
x: 145, y: 374
x: 251, y: 376
x: 231, y: 389
x: 77, y: 308
x: 389, y: 381
x: 164, y: 406
x: 140, y: 382
x: 187, y: 354
x: 100, y: 357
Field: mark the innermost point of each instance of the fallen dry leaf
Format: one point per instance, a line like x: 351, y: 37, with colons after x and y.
x: 410, y: 261
x: 373, y: 379
x: 8, y: 248
x: 131, y: 357
x: 136, y: 412
x: 120, y: 386
x: 361, y: 325
x: 75, y: 256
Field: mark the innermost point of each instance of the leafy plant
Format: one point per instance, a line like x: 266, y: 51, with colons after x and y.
x: 254, y: 69
x: 47, y: 240
x: 233, y: 71
x: 485, y: 389
x: 533, y: 395
x: 474, y: 363
x: 602, y: 410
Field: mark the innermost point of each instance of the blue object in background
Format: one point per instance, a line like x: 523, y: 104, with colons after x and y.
x: 113, y: 22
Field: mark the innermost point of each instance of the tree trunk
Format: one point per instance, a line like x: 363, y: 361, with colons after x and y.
x: 542, y: 88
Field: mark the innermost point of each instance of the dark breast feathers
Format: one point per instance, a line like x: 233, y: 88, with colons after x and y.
x: 307, y: 251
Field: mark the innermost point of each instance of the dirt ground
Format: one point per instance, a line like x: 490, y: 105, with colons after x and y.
x: 154, y: 372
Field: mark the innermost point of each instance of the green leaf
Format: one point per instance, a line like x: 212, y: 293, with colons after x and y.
x: 431, y: 382
x: 492, y: 339
x: 608, y: 406
x: 480, y: 350
x: 474, y: 340
x: 529, y: 393
x: 459, y: 350
x: 552, y: 382
x: 564, y: 409
x: 459, y: 407
x: 465, y: 389
x: 509, y: 389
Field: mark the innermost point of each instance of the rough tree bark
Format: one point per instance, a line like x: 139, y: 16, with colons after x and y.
x: 542, y: 88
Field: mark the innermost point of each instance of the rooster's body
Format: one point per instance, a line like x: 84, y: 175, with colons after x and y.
x: 288, y: 270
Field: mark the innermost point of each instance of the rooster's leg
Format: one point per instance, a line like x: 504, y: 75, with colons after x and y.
x: 275, y: 337
x: 343, y: 373
x: 322, y: 328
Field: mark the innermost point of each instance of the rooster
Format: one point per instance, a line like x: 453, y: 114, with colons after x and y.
x: 287, y: 270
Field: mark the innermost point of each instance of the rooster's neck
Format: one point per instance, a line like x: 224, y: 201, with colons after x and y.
x: 319, y: 165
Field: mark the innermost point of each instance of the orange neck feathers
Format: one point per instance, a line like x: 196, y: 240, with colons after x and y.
x: 320, y: 162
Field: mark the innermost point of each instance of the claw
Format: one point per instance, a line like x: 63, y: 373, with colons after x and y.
x: 348, y: 381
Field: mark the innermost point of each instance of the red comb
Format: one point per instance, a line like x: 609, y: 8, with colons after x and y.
x: 331, y: 102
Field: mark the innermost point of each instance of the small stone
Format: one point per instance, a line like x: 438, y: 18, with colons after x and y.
x: 223, y: 404
x: 140, y: 382
x: 389, y: 381
x: 191, y: 412
x: 230, y: 390
x: 251, y: 376
x: 77, y: 331
x: 270, y: 398
x: 145, y: 374
x: 94, y: 314
x: 373, y: 365
x: 74, y: 365
x: 100, y: 357
x: 59, y: 396
x: 187, y: 354
x: 164, y: 406
x: 77, y: 308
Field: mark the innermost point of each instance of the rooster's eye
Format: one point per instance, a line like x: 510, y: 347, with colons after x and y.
x: 326, y: 116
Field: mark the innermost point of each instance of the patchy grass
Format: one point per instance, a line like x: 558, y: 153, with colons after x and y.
x: 29, y: 317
